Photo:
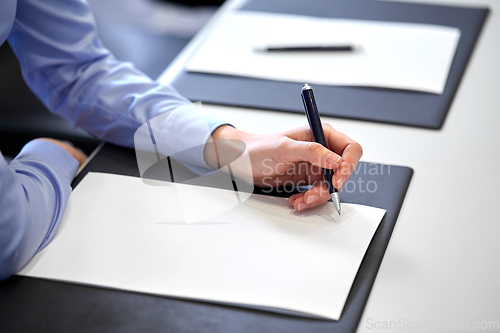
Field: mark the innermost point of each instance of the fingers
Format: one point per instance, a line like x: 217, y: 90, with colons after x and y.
x: 338, y: 143
x: 350, y: 158
x: 78, y: 155
x: 297, y: 146
x: 350, y: 150
x: 341, y: 143
x: 68, y: 146
x: 293, y: 151
x: 311, y: 198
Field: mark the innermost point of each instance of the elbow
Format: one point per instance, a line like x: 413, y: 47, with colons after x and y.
x: 11, y: 258
x: 7, y: 269
x: 12, y: 241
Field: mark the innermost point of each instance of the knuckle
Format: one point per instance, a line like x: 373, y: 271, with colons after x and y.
x: 357, y: 147
x: 327, y: 126
x: 282, y: 143
x: 313, y: 146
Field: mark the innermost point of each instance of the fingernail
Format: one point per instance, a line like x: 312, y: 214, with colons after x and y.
x: 339, y: 183
x: 312, y: 198
x: 301, y: 206
x: 332, y: 158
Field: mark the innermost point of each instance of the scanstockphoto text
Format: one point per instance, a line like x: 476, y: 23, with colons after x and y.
x: 431, y: 324
x: 361, y: 179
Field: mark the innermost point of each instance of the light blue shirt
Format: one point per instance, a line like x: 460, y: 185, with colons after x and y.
x: 65, y: 64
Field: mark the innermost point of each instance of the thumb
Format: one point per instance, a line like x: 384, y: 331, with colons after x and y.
x: 312, y: 152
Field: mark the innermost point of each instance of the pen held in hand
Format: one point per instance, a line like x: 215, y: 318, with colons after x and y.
x: 312, y: 114
x: 307, y: 48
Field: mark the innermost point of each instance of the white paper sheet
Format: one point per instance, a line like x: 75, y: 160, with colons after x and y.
x: 392, y: 54
x: 119, y: 232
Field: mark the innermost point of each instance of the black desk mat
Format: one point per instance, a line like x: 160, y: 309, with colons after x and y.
x: 30, y: 304
x: 401, y: 107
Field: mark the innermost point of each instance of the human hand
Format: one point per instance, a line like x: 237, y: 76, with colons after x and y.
x: 68, y: 146
x: 292, y: 157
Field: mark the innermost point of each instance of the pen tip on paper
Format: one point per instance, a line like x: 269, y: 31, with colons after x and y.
x: 336, y: 202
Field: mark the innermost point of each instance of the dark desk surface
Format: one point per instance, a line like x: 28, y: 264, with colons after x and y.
x: 29, y: 304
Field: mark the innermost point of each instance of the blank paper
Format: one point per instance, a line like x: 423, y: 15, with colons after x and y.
x: 390, y: 54
x: 119, y: 232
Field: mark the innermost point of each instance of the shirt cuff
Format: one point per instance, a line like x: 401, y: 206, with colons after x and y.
x: 52, y: 153
x: 182, y: 134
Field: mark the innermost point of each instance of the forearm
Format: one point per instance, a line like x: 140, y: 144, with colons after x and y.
x: 75, y: 76
x: 66, y: 65
x: 34, y: 189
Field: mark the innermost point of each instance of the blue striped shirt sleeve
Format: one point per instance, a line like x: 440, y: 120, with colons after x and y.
x: 34, y: 187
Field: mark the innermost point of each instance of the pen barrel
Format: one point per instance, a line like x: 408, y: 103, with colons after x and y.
x: 312, y: 114
x: 309, y: 48
x: 328, y: 174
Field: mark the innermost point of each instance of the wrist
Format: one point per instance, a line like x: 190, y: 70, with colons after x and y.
x: 49, y: 153
x: 227, y: 132
x: 223, y: 147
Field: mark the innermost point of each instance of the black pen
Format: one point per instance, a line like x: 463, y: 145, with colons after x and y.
x: 304, y: 48
x: 319, y: 136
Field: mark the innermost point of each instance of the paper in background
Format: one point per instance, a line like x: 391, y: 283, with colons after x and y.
x: 392, y: 54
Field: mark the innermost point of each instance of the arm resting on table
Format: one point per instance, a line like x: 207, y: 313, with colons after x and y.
x: 34, y: 190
